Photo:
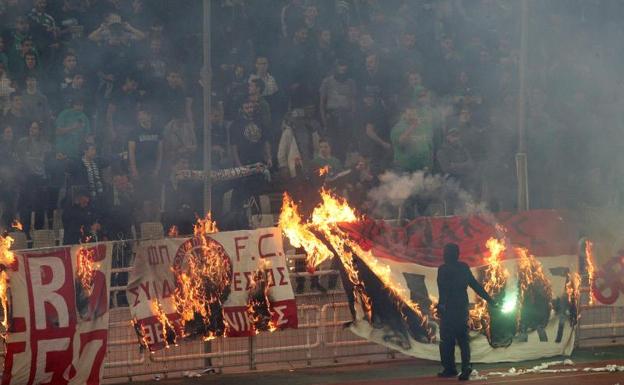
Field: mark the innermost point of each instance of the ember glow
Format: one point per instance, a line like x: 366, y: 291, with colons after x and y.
x: 173, y: 231
x: 6, y: 259
x: 591, y: 268
x: 323, y: 170
x: 85, y: 268
x: 494, y: 280
x: 322, y: 232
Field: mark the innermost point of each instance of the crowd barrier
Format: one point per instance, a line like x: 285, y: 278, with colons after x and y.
x: 321, y: 338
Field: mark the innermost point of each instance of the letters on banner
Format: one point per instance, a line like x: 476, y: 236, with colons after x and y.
x: 58, y: 323
x: 153, y: 283
x: 414, y: 251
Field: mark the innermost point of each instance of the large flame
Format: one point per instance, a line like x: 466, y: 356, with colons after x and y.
x: 168, y: 330
x: 531, y: 278
x: 322, y: 232
x: 203, y: 280
x: 258, y: 303
x: 591, y: 268
x: 494, y: 280
x: 6, y: 259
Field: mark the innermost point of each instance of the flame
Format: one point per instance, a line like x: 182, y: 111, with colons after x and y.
x: 258, y: 303
x: 205, y: 226
x: 495, y: 278
x: 17, y: 225
x: 86, y: 267
x: 173, y: 231
x: 591, y: 268
x: 202, y: 282
x: 322, y: 232
x: 531, y: 275
x: 573, y: 288
x: 6, y: 259
x: 323, y: 170
x: 167, y: 327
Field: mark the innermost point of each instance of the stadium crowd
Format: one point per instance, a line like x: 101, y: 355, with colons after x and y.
x: 101, y: 104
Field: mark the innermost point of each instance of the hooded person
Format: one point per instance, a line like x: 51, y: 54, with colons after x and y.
x: 454, y: 277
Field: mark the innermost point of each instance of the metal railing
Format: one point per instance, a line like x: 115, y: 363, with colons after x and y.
x: 320, y: 339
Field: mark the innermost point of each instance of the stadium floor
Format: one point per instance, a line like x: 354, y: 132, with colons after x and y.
x: 416, y: 372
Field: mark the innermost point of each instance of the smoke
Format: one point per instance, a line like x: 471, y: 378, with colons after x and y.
x: 420, y: 192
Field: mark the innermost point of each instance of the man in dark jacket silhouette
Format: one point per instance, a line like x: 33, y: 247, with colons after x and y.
x: 454, y: 277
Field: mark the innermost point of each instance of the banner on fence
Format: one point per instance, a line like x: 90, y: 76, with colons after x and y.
x: 58, y: 323
x: 153, y: 280
x: 413, y: 253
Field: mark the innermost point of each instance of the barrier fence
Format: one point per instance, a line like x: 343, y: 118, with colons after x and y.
x: 321, y: 338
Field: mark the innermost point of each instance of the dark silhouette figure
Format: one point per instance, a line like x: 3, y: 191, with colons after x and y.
x: 454, y: 277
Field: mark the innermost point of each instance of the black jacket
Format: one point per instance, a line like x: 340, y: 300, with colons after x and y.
x: 454, y: 277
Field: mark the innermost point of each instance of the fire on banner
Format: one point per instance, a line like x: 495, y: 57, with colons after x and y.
x: 541, y: 289
x: 225, y: 283
x: 58, y: 315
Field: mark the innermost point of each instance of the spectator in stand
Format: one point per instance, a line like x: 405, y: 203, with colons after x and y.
x: 374, y: 133
x: 72, y: 129
x: 33, y: 151
x: 455, y: 161
x: 9, y: 180
x: 250, y: 145
x: 324, y: 158
x: 179, y: 140
x: 120, y: 205
x: 88, y: 173
x: 145, y: 152
x: 66, y: 74
x: 337, y: 104
x: 407, y: 56
x: 373, y: 80
x: 35, y: 103
x: 310, y: 20
x: 297, y: 146
x: 77, y: 89
x: 15, y: 116
x: 262, y: 73
x: 121, y: 112
x: 80, y: 220
x: 326, y: 51
x: 351, y: 47
x: 262, y: 108
x: 44, y: 28
x: 30, y: 67
x: 412, y: 143
x: 291, y: 16
x: 175, y: 99
x: 153, y: 66
x: 235, y: 92
x: 20, y: 42
x: 113, y: 28
x: 182, y: 199
x: 411, y: 92
x: 300, y: 69
x: 17, y: 60
x: 5, y: 88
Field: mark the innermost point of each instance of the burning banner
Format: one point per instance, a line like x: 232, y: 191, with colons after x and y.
x: 213, y: 284
x: 389, y: 274
x: 56, y: 309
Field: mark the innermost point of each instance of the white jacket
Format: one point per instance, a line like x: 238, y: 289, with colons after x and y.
x: 288, y: 151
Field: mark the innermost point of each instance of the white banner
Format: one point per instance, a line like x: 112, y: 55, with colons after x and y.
x: 57, y: 328
x: 153, y: 282
x: 556, y: 338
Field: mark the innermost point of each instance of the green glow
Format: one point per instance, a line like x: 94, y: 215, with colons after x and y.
x: 509, y: 302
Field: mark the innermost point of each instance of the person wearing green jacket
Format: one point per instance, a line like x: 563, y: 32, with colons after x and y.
x: 72, y: 127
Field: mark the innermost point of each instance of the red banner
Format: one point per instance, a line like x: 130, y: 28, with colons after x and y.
x: 543, y: 232
x: 57, y: 329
